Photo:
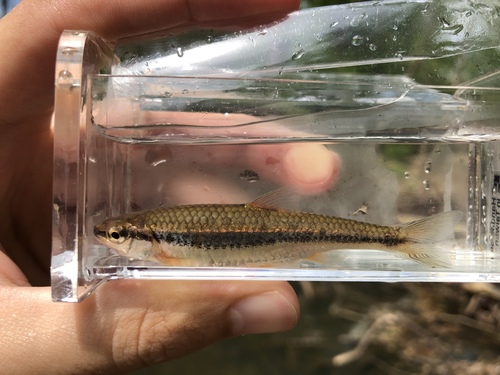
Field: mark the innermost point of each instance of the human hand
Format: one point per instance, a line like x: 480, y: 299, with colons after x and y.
x: 125, y: 324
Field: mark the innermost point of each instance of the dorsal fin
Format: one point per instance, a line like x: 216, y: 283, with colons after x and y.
x: 285, y: 198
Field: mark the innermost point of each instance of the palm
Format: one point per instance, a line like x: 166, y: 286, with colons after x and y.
x: 26, y: 214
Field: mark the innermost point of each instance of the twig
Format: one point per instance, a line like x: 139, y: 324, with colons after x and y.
x: 488, y: 290
x: 344, y: 313
x: 369, y: 336
x: 469, y: 322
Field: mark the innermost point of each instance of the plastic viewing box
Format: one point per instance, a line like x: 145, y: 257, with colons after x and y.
x: 189, y: 154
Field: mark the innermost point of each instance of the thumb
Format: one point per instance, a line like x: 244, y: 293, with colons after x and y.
x: 128, y: 324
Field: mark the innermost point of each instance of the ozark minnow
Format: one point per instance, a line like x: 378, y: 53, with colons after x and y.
x: 261, y: 232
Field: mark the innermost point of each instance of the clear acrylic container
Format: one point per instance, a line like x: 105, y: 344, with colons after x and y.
x: 150, y: 123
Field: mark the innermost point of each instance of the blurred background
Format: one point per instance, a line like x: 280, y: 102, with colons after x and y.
x: 370, y: 328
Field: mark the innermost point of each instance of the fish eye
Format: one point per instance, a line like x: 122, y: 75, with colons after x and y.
x: 116, y: 235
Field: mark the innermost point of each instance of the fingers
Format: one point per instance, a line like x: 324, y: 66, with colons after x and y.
x: 31, y: 31
x: 129, y: 324
x: 210, y: 174
x: 219, y: 9
x: 115, y: 19
x: 311, y: 167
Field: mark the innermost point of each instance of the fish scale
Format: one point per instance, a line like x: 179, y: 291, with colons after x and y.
x: 260, y: 232
x: 246, y: 226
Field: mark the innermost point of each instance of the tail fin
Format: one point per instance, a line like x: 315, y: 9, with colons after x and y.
x: 423, y: 235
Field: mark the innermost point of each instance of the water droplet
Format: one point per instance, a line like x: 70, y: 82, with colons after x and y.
x: 92, y: 159
x: 428, y: 165
x: 455, y: 29
x: 262, y: 32
x: 185, y: 91
x: 249, y: 176
x: 355, y: 21
x: 426, y: 185
x: 210, y: 39
x: 444, y: 21
x: 276, y: 93
x: 180, y: 51
x: 280, y: 72
x: 65, y: 79
x: 398, y: 55
x: 394, y: 38
x: 168, y: 94
x: 395, y: 27
x: 357, y: 40
x: 226, y: 114
x: 372, y: 47
x: 407, y: 175
x: 333, y: 24
x: 297, y: 55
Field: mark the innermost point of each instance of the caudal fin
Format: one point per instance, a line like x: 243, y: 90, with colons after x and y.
x: 425, y: 234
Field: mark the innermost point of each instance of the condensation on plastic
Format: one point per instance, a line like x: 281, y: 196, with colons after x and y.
x: 320, y: 38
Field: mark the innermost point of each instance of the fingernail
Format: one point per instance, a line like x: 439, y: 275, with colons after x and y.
x: 264, y: 313
x: 311, y: 164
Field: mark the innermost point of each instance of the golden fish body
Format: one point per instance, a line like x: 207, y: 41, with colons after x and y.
x: 261, y: 233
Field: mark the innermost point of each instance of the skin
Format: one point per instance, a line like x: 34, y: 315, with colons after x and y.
x: 130, y: 324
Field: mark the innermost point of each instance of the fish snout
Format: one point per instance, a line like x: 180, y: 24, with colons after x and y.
x: 100, y: 231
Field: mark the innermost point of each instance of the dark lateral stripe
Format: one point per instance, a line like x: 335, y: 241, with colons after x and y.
x: 215, y: 240
x: 140, y: 235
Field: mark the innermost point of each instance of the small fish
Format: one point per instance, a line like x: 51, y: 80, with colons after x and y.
x: 262, y: 232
